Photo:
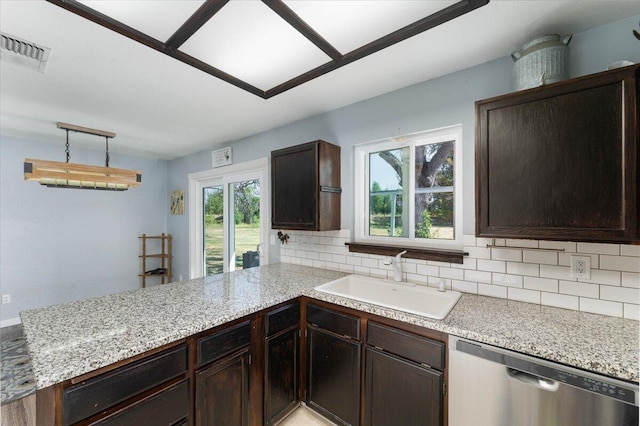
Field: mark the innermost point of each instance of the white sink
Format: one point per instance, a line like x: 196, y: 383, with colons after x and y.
x: 420, y: 300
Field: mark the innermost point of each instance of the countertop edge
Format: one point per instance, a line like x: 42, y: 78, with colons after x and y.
x: 465, y: 320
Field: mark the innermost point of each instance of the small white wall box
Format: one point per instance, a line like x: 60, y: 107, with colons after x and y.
x: 221, y: 157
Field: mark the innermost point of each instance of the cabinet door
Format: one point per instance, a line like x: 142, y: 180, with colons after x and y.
x: 305, y: 187
x: 294, y: 180
x: 333, y: 382
x: 281, y: 375
x: 401, y: 393
x: 560, y: 162
x: 222, y: 392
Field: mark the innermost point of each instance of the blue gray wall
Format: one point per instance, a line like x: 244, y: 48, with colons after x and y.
x: 436, y: 103
x: 60, y: 245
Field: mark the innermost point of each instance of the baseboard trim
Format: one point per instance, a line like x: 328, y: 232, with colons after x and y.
x: 10, y: 322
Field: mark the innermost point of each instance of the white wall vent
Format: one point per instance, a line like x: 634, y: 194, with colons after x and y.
x: 23, y: 53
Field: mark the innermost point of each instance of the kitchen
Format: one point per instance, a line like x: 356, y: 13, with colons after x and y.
x: 87, y: 241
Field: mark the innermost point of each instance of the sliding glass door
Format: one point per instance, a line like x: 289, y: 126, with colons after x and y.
x: 213, y: 229
x: 244, y: 231
x: 230, y: 222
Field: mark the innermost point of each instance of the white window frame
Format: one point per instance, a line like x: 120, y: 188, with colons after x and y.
x: 228, y: 174
x: 362, y: 185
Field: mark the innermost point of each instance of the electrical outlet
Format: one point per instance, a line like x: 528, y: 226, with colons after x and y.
x: 6, y: 298
x: 581, y: 267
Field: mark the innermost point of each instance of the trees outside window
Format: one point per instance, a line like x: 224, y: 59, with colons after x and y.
x: 410, y: 188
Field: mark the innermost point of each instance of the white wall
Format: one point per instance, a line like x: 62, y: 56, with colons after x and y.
x: 436, y: 103
x: 60, y: 245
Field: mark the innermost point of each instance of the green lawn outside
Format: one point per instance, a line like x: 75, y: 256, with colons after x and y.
x: 247, y: 238
x: 379, y: 227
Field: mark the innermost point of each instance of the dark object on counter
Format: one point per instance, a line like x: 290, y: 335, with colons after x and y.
x: 157, y: 271
x: 250, y: 259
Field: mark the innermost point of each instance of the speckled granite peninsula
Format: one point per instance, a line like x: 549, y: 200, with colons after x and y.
x: 71, y: 339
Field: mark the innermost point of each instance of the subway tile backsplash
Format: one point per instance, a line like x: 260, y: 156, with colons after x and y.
x: 523, y: 273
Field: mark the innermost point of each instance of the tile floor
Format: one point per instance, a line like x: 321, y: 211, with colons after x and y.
x: 303, y: 416
x: 15, y: 366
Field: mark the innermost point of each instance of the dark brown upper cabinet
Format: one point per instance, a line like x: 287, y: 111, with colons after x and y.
x: 305, y: 187
x: 561, y: 162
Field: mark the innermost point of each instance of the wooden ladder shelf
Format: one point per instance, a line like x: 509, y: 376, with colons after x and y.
x: 155, y: 250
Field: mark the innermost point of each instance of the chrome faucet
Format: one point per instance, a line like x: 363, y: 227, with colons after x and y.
x: 397, y: 265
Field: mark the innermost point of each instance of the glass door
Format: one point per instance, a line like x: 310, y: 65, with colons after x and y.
x: 230, y: 229
x: 244, y: 226
x: 213, y: 229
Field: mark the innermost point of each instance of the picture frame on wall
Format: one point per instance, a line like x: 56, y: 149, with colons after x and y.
x: 177, y: 202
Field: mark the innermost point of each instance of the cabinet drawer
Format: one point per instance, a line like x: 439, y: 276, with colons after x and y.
x: 410, y: 346
x: 282, y: 318
x: 165, y: 407
x: 339, y: 323
x: 223, y: 343
x: 96, y: 394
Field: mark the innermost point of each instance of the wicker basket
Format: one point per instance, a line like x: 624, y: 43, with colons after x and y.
x: 541, y: 61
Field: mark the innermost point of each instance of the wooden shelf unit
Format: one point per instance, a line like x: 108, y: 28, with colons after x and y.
x: 164, y: 255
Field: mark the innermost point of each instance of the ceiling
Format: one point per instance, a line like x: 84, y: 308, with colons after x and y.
x: 164, y: 108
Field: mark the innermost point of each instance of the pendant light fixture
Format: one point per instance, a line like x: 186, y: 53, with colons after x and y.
x: 56, y: 174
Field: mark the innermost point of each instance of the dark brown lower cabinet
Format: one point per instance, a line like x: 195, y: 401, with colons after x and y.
x: 281, y: 375
x: 400, y: 392
x: 167, y: 407
x: 222, y: 392
x: 333, y: 376
x: 133, y: 391
x: 254, y: 371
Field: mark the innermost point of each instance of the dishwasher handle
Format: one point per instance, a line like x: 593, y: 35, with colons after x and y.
x: 533, y: 380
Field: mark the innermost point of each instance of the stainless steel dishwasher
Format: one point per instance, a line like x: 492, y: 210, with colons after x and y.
x: 489, y: 386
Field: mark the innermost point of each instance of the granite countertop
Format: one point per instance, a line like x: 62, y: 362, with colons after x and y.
x: 71, y: 339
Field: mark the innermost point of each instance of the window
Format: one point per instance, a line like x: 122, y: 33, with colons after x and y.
x: 408, y: 190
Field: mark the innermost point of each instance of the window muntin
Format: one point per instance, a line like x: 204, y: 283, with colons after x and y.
x: 408, y: 190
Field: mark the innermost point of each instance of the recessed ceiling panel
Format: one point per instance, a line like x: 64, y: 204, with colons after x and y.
x: 247, y: 40
x: 157, y: 18
x: 349, y: 24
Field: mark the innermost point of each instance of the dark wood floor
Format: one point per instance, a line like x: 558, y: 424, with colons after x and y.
x: 20, y: 413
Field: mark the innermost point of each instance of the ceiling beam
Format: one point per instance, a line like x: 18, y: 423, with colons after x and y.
x: 303, y: 28
x: 422, y: 25
x: 108, y: 22
x: 203, y: 66
x: 125, y: 30
x: 193, y: 24
x: 211, y: 7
